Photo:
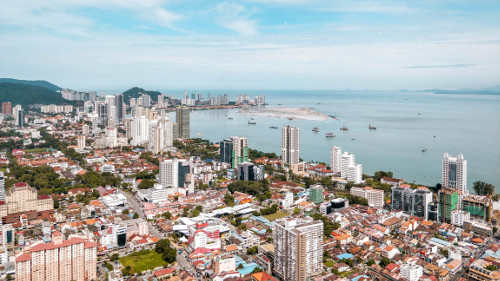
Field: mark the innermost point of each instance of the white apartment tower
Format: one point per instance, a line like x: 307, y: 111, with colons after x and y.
x: 298, y: 248
x: 161, y: 135
x: 169, y: 173
x: 411, y: 271
x: 336, y: 153
x: 346, y: 161
x: 290, y: 145
x: 138, y: 130
x: 454, y: 172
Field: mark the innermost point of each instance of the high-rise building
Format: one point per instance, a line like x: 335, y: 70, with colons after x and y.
x: 226, y: 151
x: 80, y: 142
x: 169, y: 173
x: 183, y: 123
x: 454, y: 173
x: 316, y: 193
x: 2, y: 186
x: 20, y: 118
x: 240, y: 151
x: 448, y: 202
x: 120, y: 108
x: 479, y: 207
x: 290, y: 146
x: 246, y: 171
x: 138, y: 130
x: 162, y: 136
x: 7, y: 107
x: 346, y: 161
x: 336, y: 159
x: 145, y: 100
x: 73, y: 259
x: 102, y: 112
x: 412, y: 201
x: 298, y: 248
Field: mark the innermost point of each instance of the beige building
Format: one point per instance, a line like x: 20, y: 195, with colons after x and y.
x: 61, y: 260
x: 375, y: 197
x: 23, y: 198
x: 298, y: 248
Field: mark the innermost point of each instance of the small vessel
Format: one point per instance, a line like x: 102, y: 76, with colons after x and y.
x: 333, y: 117
x: 279, y: 103
x: 370, y: 127
x: 419, y: 113
x: 250, y: 122
x: 315, y: 129
x: 353, y: 139
x: 344, y: 128
x: 230, y: 118
x: 290, y: 118
x: 251, y: 118
x: 424, y: 150
x: 273, y: 127
x: 329, y: 135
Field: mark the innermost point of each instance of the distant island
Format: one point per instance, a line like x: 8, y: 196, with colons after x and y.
x: 26, y: 95
x: 39, y: 83
x: 485, y: 91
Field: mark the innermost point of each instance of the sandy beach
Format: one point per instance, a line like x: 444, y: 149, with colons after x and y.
x: 286, y: 112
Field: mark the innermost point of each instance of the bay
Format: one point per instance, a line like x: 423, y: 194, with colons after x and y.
x: 406, y: 122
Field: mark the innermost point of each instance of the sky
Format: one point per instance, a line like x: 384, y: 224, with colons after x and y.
x: 253, y: 44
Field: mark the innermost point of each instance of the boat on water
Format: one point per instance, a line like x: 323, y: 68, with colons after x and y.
x: 419, y: 113
x: 230, y: 118
x: 333, y: 117
x: 344, y: 128
x: 424, y: 150
x: 250, y: 122
x: 290, y: 118
x: 273, y: 127
x: 315, y: 129
x: 370, y: 127
x: 329, y: 135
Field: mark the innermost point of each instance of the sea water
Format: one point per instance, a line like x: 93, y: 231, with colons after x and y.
x: 406, y: 122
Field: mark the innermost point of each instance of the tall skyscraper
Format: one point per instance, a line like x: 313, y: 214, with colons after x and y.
x: 2, y: 186
x: 173, y: 172
x: 162, y: 136
x: 226, y: 151
x: 20, y: 118
x: 240, y: 151
x: 448, y: 202
x: 454, y: 172
x: 412, y: 201
x: 336, y: 159
x: 6, y: 107
x: 120, y: 108
x: 138, y: 130
x: 183, y: 123
x: 246, y: 171
x: 298, y: 248
x: 290, y: 146
x: 169, y: 173
x: 102, y: 112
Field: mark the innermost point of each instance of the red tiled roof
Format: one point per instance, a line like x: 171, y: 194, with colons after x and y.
x: 51, y: 245
x: 24, y: 257
x: 20, y: 184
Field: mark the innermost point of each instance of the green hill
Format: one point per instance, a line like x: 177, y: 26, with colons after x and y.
x: 26, y: 95
x: 40, y: 83
x: 136, y: 92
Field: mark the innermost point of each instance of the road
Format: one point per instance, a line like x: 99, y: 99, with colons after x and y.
x: 136, y: 205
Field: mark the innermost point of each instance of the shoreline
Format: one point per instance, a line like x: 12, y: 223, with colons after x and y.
x: 299, y: 113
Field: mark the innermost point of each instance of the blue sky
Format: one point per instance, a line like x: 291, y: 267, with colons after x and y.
x: 254, y: 44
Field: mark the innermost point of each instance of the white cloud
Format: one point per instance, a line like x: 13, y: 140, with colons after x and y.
x: 235, y: 17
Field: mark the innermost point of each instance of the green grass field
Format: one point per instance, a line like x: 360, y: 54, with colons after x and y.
x: 142, y: 261
x: 35, y: 150
x: 275, y: 216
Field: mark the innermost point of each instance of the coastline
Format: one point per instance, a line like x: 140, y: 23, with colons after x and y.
x: 299, y: 113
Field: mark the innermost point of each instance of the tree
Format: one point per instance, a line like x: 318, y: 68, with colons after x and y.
x: 228, y: 200
x: 482, y: 188
x: 167, y: 215
x: 114, y: 257
x: 257, y: 270
x: 384, y: 262
x: 145, y: 184
x: 296, y: 211
x: 491, y: 267
x: 125, y: 212
x: 136, y: 216
x: 495, y: 230
x: 370, y: 262
x: 252, y: 251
